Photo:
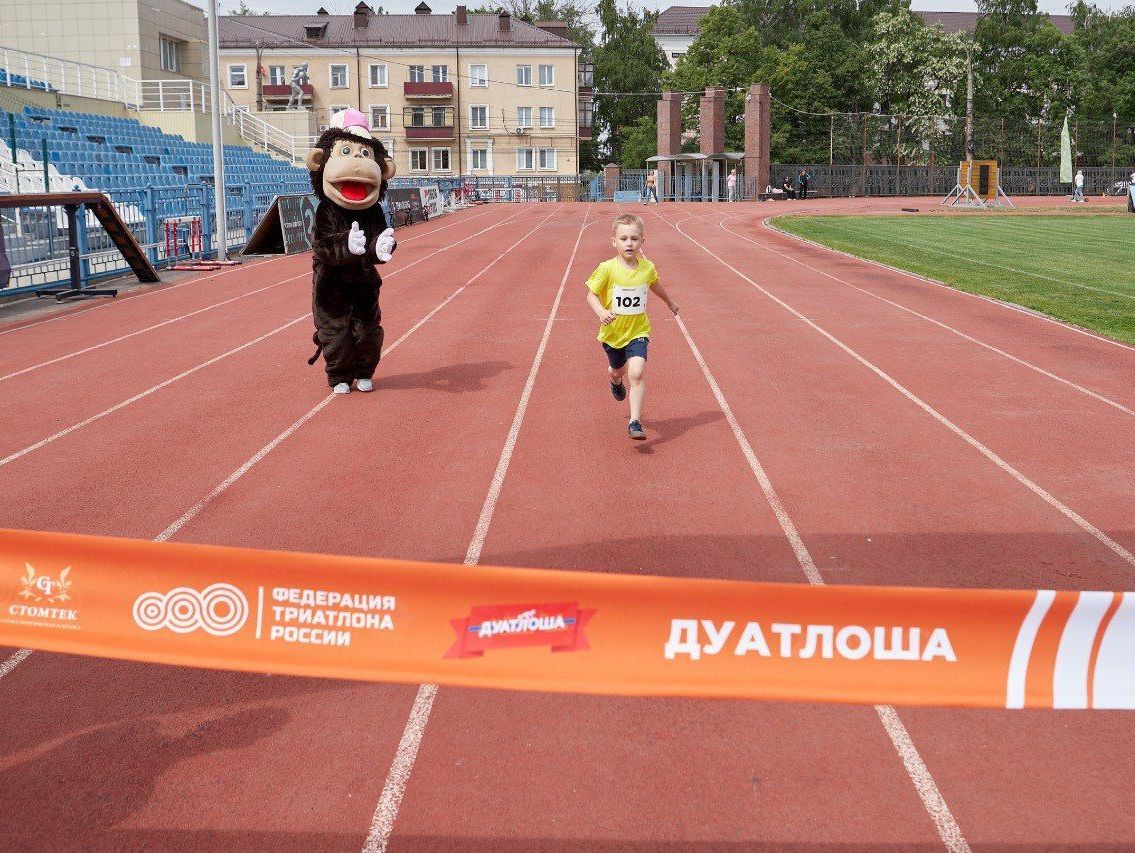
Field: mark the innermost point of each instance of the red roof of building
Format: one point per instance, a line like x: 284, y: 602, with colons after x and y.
x: 382, y: 30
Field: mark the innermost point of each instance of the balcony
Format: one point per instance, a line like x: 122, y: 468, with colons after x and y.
x: 434, y: 123
x: 586, y: 131
x: 284, y: 92
x: 586, y: 78
x: 427, y: 91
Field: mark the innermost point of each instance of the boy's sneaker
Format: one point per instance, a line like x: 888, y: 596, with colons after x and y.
x: 364, y: 385
x: 635, y: 430
x: 342, y: 388
x: 619, y: 391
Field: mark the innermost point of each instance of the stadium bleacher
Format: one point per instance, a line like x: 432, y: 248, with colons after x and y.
x: 119, y: 155
x: 21, y: 82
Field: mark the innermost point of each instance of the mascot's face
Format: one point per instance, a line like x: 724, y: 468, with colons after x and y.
x: 346, y: 170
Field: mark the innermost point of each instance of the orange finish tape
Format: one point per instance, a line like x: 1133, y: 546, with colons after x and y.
x: 524, y: 629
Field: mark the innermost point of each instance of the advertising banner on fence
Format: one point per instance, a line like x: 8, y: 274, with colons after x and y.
x: 524, y: 629
x: 405, y: 206
x: 432, y: 202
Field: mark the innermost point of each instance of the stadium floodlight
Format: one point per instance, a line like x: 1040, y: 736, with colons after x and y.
x: 222, y: 231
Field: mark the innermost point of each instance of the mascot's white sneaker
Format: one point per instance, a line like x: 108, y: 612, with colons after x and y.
x: 364, y: 385
x: 342, y: 388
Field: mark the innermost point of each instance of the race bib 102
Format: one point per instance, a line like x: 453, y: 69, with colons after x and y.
x: 629, y: 300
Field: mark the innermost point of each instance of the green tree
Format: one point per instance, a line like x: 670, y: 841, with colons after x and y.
x: 627, y: 60
x: 640, y: 141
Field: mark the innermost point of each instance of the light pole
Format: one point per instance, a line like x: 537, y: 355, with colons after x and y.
x: 218, y: 147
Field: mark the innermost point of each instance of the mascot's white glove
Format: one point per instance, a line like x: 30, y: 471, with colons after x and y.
x: 384, y: 247
x: 356, y: 240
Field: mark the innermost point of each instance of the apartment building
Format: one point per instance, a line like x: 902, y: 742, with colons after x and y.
x: 451, y: 94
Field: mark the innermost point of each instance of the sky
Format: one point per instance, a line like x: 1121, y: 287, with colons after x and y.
x: 345, y: 7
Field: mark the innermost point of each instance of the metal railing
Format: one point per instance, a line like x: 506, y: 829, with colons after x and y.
x: 35, y: 71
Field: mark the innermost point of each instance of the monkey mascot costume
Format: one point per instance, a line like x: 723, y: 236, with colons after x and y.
x: 349, y: 170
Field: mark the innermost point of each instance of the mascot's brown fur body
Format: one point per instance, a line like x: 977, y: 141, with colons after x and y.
x: 348, y: 175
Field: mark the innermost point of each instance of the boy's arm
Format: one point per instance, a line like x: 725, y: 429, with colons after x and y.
x: 605, y: 315
x: 661, y: 291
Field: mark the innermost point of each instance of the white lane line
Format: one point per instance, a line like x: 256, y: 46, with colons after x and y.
x: 17, y: 658
x: 13, y: 661
x: 12, y: 457
x: 932, y: 799
x: 234, y: 299
x: 1036, y: 489
x: 389, y: 802
x: 197, y: 508
x: 118, y: 406
x: 959, y: 333
x: 1028, y: 312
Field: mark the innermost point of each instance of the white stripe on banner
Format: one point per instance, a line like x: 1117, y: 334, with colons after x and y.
x: 1023, y: 648
x: 1114, y: 685
x: 1070, y: 680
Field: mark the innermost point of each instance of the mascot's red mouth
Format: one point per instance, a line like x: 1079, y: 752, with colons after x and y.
x: 354, y: 190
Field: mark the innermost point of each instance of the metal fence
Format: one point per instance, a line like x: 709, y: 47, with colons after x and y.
x: 35, y: 238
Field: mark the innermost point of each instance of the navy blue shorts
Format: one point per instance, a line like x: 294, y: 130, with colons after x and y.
x: 618, y: 357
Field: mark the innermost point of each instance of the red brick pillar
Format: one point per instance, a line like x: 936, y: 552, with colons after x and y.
x: 670, y: 124
x: 712, y: 121
x: 610, y: 180
x: 757, y: 158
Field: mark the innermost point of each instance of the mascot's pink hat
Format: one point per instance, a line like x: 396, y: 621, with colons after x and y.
x: 351, y: 121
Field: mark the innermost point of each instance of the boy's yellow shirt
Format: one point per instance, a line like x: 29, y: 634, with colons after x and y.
x: 614, y: 273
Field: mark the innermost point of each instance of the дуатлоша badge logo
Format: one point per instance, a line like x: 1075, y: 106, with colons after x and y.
x: 220, y: 610
x: 44, y: 588
x: 503, y: 626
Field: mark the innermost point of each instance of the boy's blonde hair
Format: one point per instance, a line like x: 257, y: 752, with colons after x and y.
x: 628, y: 219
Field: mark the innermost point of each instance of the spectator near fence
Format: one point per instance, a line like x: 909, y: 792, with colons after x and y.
x: 1078, y: 191
x: 731, y: 184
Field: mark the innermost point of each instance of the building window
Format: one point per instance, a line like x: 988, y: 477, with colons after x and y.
x: 525, y: 159
x: 478, y: 76
x: 339, y: 78
x: 547, y: 117
x: 417, y: 74
x: 586, y: 113
x: 441, y: 159
x: 547, y: 75
x: 524, y: 75
x: 171, y: 54
x: 479, y: 117
x: 238, y: 76
x: 378, y: 76
x: 437, y: 117
x: 417, y: 116
x: 479, y: 158
x: 338, y: 108
x: 276, y: 75
x: 418, y: 159
x: 440, y: 73
x: 677, y: 55
x: 380, y: 116
x: 524, y: 116
x: 548, y: 158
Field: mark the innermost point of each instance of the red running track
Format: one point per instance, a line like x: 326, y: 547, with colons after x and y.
x: 910, y: 434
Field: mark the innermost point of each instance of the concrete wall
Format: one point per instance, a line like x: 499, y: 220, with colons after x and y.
x: 194, y: 127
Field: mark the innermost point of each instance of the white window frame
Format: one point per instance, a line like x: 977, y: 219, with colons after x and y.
x: 520, y: 122
x: 434, y: 167
x: 473, y: 123
x: 473, y: 152
x: 346, y: 75
x: 425, y: 152
x: 410, y: 73
x: 540, y: 155
x: 483, y: 144
x: 388, y: 144
x: 374, y: 125
x: 444, y: 73
x: 283, y: 75
x: 384, y: 82
x: 172, y: 47
x: 551, y: 81
x: 552, y: 114
x: 478, y: 81
x: 243, y: 66
x: 521, y: 72
x: 531, y: 159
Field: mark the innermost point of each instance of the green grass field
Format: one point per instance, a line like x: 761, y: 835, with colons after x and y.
x: 1076, y: 268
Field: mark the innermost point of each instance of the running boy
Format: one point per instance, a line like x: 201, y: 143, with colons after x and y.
x: 617, y: 293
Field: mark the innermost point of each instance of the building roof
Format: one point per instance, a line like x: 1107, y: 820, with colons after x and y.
x: 683, y: 20
x: 280, y: 31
